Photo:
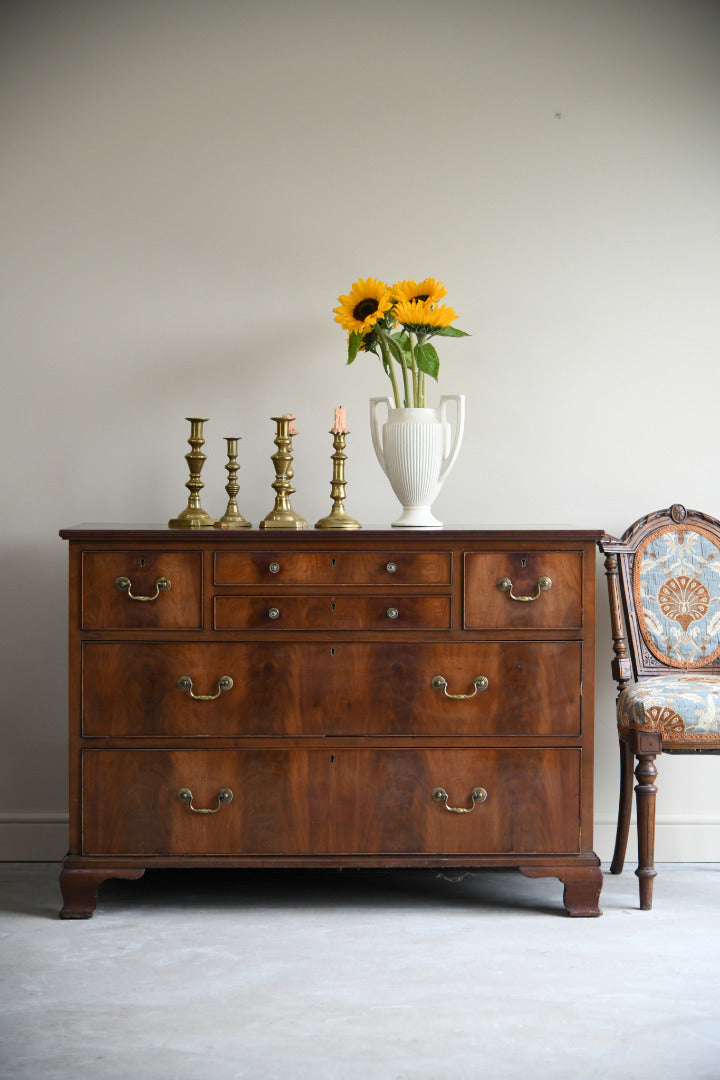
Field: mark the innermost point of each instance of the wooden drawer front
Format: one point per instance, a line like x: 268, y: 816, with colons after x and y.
x: 339, y: 612
x: 321, y: 802
x: 279, y: 688
x: 107, y: 607
x: 558, y: 607
x: 332, y: 568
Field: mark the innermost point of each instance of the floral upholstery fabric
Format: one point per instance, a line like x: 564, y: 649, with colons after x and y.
x: 681, y: 706
x: 677, y: 595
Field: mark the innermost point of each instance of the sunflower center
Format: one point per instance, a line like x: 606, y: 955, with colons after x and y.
x: 365, y: 308
x: 422, y: 298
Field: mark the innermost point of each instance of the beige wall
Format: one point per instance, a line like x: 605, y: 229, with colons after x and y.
x: 187, y: 187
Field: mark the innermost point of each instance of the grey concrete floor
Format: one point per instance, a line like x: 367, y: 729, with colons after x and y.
x: 218, y: 975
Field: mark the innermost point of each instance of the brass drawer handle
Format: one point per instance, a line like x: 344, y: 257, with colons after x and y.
x: 480, y: 682
x: 125, y: 585
x: 274, y: 567
x: 185, y: 684
x: 440, y: 795
x: 224, y: 795
x: 392, y: 613
x: 506, y: 585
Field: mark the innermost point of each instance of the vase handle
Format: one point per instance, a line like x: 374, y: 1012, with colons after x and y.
x: 375, y: 429
x: 451, y: 456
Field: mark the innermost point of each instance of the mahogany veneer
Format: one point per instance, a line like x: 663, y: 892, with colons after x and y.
x: 285, y: 702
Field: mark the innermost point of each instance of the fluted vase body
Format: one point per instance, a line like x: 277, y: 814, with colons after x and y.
x: 416, y: 449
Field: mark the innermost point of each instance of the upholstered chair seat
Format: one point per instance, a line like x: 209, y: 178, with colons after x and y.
x: 681, y: 707
x: 664, y: 585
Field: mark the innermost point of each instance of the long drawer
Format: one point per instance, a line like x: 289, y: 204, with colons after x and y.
x: 322, y: 802
x: 338, y: 567
x: 281, y: 688
x: 340, y: 612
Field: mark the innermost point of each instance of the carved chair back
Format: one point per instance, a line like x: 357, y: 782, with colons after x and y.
x: 664, y: 578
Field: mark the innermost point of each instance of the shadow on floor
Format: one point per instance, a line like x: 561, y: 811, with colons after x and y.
x: 33, y: 889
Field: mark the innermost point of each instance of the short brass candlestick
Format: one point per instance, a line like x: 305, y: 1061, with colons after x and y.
x: 337, y: 518
x: 282, y: 515
x: 193, y: 516
x: 232, y: 518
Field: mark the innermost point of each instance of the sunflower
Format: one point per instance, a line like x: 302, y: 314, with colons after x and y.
x: 420, y: 317
x: 428, y: 291
x: 368, y: 301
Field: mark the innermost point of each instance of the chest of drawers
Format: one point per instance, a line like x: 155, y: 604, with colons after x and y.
x: 307, y: 699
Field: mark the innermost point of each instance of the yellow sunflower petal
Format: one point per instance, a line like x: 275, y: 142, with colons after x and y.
x: 422, y: 317
x: 428, y: 291
x: 368, y: 300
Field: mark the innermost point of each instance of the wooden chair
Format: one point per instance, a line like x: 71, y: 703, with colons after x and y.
x: 664, y: 583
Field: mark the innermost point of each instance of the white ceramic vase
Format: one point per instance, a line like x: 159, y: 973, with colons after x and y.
x: 416, y: 450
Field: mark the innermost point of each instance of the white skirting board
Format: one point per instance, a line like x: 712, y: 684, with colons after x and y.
x: 43, y: 837
x: 678, y: 838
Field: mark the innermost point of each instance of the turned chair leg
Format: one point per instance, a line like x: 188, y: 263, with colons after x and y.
x: 645, y: 792
x: 627, y: 761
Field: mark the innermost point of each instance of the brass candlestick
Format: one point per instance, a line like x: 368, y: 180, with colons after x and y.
x: 337, y: 518
x: 282, y: 515
x: 193, y: 516
x: 232, y: 518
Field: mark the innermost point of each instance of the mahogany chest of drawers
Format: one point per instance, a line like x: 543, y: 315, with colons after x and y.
x: 384, y: 698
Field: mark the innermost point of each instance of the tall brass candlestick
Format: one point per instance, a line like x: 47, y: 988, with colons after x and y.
x: 193, y: 516
x: 232, y: 518
x: 282, y: 515
x: 337, y: 518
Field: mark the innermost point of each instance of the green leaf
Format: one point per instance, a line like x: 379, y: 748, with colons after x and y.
x: 401, y: 354
x: 427, y: 359
x: 354, y: 343
x: 450, y: 331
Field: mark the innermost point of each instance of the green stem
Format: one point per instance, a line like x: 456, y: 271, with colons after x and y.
x: 406, y: 382
x: 415, y: 373
x: 388, y: 360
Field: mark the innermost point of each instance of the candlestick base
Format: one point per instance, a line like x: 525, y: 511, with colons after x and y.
x: 283, y: 520
x: 195, y: 519
x: 338, y: 519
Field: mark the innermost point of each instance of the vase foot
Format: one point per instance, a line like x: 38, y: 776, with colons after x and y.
x: 417, y: 517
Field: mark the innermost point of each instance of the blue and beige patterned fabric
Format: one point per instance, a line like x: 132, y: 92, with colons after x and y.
x: 677, y: 596
x: 683, y: 706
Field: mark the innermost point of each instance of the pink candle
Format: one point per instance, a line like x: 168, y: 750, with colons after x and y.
x: 292, y: 430
x: 340, y: 424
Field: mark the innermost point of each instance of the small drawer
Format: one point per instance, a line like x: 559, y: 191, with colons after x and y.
x: 340, y: 612
x: 290, y: 688
x: 143, y: 590
x: 322, y: 802
x: 332, y: 567
x: 534, y: 590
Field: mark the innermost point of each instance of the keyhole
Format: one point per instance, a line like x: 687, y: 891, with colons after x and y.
x: 142, y: 562
x: 523, y: 561
x: 332, y: 652
x: 332, y: 758
x: 332, y: 562
x: 332, y: 606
